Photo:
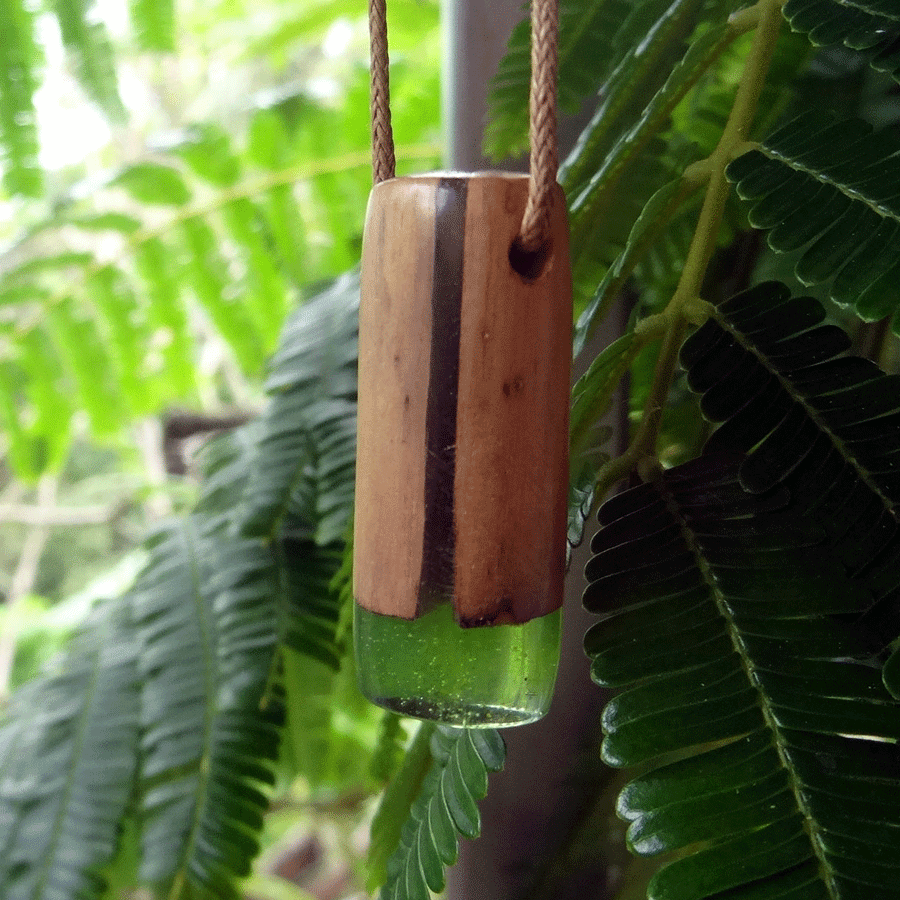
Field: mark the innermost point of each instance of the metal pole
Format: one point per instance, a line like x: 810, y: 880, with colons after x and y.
x: 476, y: 33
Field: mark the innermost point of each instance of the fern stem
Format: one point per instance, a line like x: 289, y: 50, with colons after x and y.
x: 736, y: 132
x: 686, y: 306
x: 244, y: 190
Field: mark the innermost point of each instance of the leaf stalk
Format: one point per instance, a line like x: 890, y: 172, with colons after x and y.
x: 686, y: 305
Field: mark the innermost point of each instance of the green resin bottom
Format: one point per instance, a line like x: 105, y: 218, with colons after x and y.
x: 430, y: 668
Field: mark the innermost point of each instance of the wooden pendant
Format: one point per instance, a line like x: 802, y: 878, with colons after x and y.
x: 464, y: 366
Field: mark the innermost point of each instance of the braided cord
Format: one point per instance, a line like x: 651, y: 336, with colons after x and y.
x: 544, y: 160
x: 383, y: 163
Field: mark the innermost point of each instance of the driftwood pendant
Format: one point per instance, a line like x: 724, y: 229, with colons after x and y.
x: 464, y: 365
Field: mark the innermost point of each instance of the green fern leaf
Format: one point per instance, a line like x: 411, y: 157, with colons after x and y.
x: 224, y: 460
x: 309, y: 609
x: 630, y: 87
x: 207, y: 150
x: 26, y: 454
x: 48, y: 398
x: 51, y: 262
x: 308, y: 434
x: 592, y: 396
x: 206, y: 276
x: 68, y: 751
x: 287, y: 231
x: 101, y: 221
x: 268, y: 144
x: 207, y: 624
x: 749, y: 691
x: 886, y: 8
x: 126, y: 337
x: 829, y: 187
x: 167, y: 318
x: 83, y: 351
x: 869, y: 26
x: 153, y: 22
x: 396, y: 802
x: 645, y: 233
x: 388, y: 752
x: 586, y: 32
x: 814, y: 420
x: 595, y: 167
x: 446, y: 805
x: 19, y: 60
x: 153, y: 184
x: 87, y: 40
x: 265, y: 297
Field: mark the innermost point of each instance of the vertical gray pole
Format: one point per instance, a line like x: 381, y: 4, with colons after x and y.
x: 476, y: 33
x: 535, y: 802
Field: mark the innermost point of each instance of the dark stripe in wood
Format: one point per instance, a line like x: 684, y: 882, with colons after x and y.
x: 439, y: 538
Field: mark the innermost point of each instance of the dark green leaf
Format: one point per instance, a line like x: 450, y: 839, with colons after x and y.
x: 870, y: 26
x: 205, y: 607
x: 812, y: 419
x: 827, y: 187
x: 717, y: 616
x: 60, y: 808
x: 308, y: 434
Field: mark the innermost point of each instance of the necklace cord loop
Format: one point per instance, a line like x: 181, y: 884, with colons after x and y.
x: 544, y: 155
x: 383, y: 163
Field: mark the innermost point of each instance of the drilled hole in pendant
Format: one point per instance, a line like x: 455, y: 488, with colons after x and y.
x: 530, y: 264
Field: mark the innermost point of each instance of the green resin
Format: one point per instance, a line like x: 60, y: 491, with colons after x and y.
x: 430, y: 668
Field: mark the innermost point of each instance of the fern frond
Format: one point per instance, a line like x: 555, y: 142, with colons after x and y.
x: 166, y: 314
x: 153, y: 22
x: 396, y: 802
x: 81, y: 350
x: 389, y: 743
x: 207, y: 625
x: 868, y: 26
x: 309, y: 609
x: 587, y: 29
x: 890, y: 674
x: 206, y: 274
x: 592, y: 397
x: 307, y: 437
x: 267, y: 298
x: 209, y: 152
x: 830, y: 187
x: 637, y: 105
x: 645, y: 234
x: 153, y: 183
x: 814, y: 420
x: 646, y: 65
x: 771, y: 740
x: 224, y: 460
x: 68, y: 751
x: 445, y: 806
x: 19, y: 59
x: 87, y: 41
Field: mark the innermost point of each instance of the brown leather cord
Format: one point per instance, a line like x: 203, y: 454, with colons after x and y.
x: 383, y: 163
x: 544, y: 159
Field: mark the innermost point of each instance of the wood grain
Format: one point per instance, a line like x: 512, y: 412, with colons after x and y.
x: 462, y: 473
